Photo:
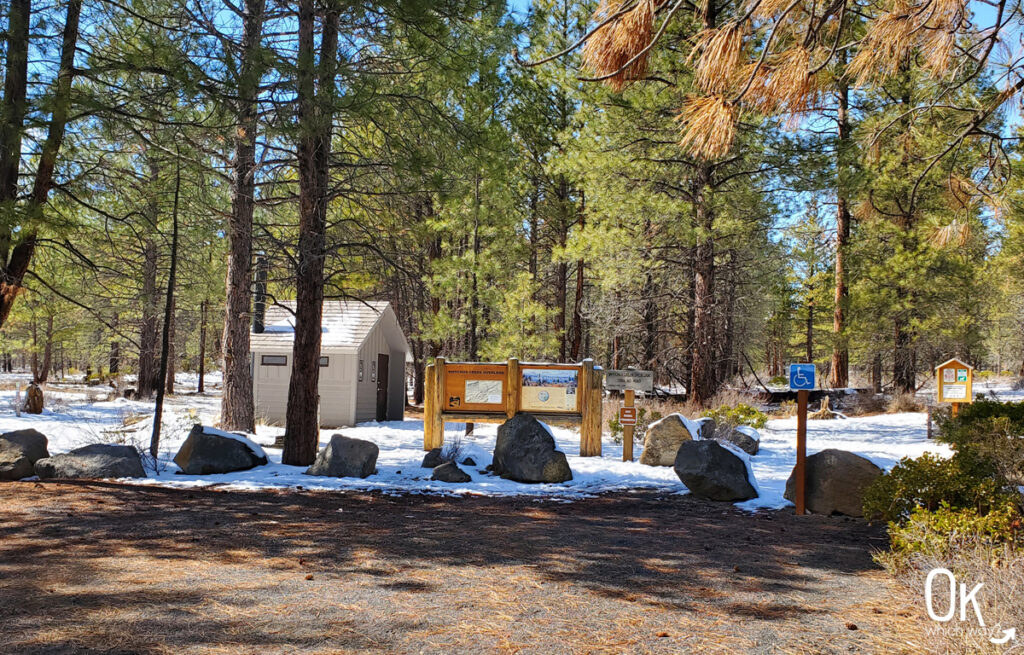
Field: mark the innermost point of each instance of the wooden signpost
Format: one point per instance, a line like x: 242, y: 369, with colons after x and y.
x: 801, y: 380
x: 956, y: 383
x: 629, y: 382
x: 466, y: 392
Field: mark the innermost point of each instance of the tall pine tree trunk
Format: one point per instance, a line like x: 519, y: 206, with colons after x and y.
x: 315, y: 118
x: 840, y: 374
x: 171, y: 369
x: 148, y: 329
x: 201, y: 386
x: 237, y: 411
x: 16, y: 264
x: 703, y: 379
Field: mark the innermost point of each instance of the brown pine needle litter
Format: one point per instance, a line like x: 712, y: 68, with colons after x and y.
x: 610, y: 49
x: 708, y: 125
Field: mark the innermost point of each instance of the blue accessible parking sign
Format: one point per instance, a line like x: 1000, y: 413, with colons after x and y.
x: 801, y: 376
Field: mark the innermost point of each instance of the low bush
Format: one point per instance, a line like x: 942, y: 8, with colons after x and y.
x: 929, y: 481
x: 644, y: 417
x: 779, y: 381
x: 864, y: 403
x: 741, y: 414
x: 990, y: 432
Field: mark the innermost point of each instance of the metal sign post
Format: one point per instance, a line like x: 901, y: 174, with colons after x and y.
x: 801, y: 380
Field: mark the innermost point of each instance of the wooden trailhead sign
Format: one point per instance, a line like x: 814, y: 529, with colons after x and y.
x: 629, y: 379
x: 955, y: 382
x: 493, y: 392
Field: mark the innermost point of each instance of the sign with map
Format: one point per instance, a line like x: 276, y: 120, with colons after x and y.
x: 474, y: 387
x: 550, y: 389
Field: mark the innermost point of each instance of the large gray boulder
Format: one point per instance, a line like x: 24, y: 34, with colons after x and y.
x: 19, y: 452
x: 345, y: 457
x: 663, y: 438
x: 525, y: 452
x: 743, y: 437
x: 208, y: 451
x: 836, y: 481
x: 713, y: 471
x: 93, y: 461
x: 450, y: 472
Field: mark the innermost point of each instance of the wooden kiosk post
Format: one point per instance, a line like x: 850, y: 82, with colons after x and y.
x: 590, y: 390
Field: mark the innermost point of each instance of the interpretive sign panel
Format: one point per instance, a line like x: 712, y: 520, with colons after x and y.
x: 549, y: 389
x: 474, y: 387
x: 955, y: 381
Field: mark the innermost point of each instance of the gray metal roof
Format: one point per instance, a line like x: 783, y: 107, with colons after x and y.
x: 345, y: 326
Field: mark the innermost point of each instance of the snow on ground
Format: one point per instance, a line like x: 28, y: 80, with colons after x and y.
x: 78, y: 417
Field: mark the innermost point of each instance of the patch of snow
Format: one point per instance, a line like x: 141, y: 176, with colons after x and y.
x: 75, y: 419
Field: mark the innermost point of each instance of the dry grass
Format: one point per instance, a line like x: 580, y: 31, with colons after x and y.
x: 866, y: 403
x: 905, y: 402
x: 1001, y: 573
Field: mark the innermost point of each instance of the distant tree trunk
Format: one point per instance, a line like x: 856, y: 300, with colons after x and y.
x: 840, y: 349
x: 158, y: 411
x: 474, y: 300
x: 171, y: 367
x: 876, y: 373
x: 114, y: 362
x: 12, y: 109
x: 237, y: 411
x: 703, y: 382
x: 16, y: 264
x: 148, y: 329
x: 576, y: 344
x: 200, y: 387
x: 34, y: 358
x: 650, y: 318
x: 809, y: 329
x: 315, y: 119
x: 44, y: 369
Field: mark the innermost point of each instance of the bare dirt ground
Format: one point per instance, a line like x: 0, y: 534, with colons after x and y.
x: 105, y: 568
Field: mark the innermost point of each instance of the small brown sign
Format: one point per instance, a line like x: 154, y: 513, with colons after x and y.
x: 627, y: 416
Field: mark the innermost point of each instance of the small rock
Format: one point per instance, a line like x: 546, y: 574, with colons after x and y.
x: 851, y: 626
x: 208, y: 451
x: 525, y: 452
x: 450, y: 472
x: 469, y: 461
x: 433, y: 459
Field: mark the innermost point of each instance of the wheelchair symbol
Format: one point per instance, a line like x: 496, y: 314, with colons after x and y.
x: 801, y: 376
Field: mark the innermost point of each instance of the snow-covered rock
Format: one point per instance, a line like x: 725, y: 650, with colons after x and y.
x: 663, y: 438
x: 94, y: 461
x: 19, y: 451
x: 713, y: 471
x: 208, y: 451
x: 525, y: 452
x: 433, y: 459
x: 836, y: 481
x: 743, y: 437
x: 344, y: 457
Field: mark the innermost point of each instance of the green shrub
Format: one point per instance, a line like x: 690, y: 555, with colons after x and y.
x: 991, y: 432
x: 779, y: 381
x: 985, y: 374
x: 644, y: 418
x: 942, y: 533
x: 741, y: 414
x: 929, y: 481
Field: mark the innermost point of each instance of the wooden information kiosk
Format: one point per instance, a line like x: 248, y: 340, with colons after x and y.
x: 479, y: 392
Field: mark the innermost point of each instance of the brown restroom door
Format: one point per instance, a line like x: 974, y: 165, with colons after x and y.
x: 382, y: 387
